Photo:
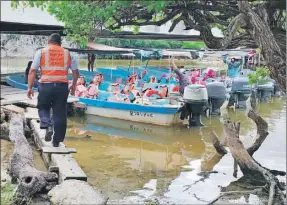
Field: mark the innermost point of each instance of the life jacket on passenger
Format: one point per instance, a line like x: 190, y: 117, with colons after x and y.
x: 115, y: 97
x: 132, y: 78
x: 149, y: 92
x: 163, y: 77
x: 175, y: 88
x: 55, y: 63
x: 163, y: 91
x: 114, y: 87
x: 143, y: 74
x: 209, y: 74
x: 81, y: 91
x: 92, y: 91
x: 194, y: 75
x: 81, y: 80
x: 152, y: 79
x: 97, y: 79
x: 128, y: 88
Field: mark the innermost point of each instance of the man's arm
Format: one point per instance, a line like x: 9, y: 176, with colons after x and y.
x: 32, y: 73
x: 31, y: 78
x: 75, y: 74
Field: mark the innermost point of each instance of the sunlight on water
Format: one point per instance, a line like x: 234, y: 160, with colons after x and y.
x: 134, y: 161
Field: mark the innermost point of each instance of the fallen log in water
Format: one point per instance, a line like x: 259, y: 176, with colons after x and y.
x: 243, y: 157
x: 21, y: 166
x: 250, y: 167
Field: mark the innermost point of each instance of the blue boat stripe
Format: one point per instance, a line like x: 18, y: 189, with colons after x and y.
x: 129, y: 106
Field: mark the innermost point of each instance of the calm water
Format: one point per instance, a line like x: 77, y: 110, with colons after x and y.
x: 133, y: 161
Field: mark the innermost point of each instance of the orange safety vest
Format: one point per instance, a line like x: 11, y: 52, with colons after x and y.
x: 55, y: 62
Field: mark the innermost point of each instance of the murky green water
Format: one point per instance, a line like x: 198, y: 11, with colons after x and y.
x: 136, y: 161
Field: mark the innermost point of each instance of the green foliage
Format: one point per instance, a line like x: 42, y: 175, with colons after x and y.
x: 193, y: 44
x: 80, y: 18
x: 259, y: 76
x: 8, y: 194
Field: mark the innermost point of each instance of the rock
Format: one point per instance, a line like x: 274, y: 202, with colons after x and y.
x: 76, y: 192
x: 27, y: 132
x: 2, y: 115
x: 5, y: 131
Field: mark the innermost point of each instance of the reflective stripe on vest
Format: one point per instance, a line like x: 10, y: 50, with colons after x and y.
x: 55, y: 62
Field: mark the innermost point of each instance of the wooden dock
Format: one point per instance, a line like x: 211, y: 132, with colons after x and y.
x: 59, y: 158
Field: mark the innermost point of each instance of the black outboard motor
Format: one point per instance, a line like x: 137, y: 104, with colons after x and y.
x: 195, y: 98
x: 265, y: 91
x: 276, y: 92
x: 217, y: 95
x: 240, y: 91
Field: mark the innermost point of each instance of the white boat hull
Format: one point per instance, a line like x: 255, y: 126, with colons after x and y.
x: 144, y: 117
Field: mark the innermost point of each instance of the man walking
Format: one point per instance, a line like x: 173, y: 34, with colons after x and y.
x: 54, y: 62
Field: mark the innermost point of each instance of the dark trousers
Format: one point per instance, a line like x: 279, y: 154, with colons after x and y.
x: 91, y: 65
x: 53, y: 96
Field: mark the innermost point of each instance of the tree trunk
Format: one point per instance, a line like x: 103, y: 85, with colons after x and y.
x: 21, y: 164
x: 250, y: 167
x: 264, y: 38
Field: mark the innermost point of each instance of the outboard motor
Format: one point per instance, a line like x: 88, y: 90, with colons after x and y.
x: 240, y: 91
x: 276, y: 91
x: 216, y: 96
x: 195, y: 98
x: 265, y: 91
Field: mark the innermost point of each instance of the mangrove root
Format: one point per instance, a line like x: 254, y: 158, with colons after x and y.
x: 21, y: 165
x: 243, y: 157
x: 217, y: 144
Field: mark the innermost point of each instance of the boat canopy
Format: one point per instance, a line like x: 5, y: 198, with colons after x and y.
x: 101, y: 49
x: 176, y: 54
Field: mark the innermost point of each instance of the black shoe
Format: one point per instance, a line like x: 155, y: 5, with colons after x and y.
x: 56, y: 144
x: 49, y: 134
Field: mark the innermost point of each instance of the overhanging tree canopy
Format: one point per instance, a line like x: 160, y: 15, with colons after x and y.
x: 244, y: 23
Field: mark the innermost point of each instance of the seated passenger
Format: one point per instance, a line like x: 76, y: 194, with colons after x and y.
x: 161, y: 93
x: 209, y: 74
x: 92, y: 91
x: 152, y: 79
x: 38, y: 75
x: 81, y: 80
x: 144, y: 75
x: 81, y: 90
x: 115, y: 97
x: 175, y: 88
x: 163, y: 78
x: 127, y: 88
x: 97, y: 79
x: 194, y: 75
x: 132, y: 78
x: 114, y: 87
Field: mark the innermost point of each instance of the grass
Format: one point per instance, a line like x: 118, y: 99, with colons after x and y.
x: 8, y: 194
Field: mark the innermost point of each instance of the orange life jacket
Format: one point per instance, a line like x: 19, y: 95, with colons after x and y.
x: 55, y: 62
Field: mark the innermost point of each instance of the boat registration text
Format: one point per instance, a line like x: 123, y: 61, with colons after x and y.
x: 142, y: 114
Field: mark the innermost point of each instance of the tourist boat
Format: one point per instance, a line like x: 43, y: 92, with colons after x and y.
x: 158, y: 112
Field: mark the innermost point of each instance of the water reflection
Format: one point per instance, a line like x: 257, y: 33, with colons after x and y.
x: 128, y: 159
